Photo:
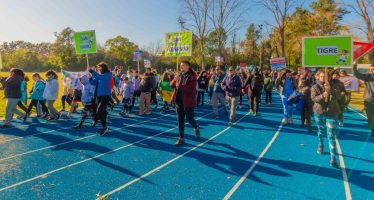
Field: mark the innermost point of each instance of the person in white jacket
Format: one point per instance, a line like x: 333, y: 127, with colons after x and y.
x: 50, y: 94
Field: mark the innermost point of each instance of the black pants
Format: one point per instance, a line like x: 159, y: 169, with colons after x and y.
x: 22, y: 106
x: 306, y: 115
x: 181, y: 114
x: 268, y: 96
x: 154, y: 97
x: 369, y: 107
x: 102, y: 103
x: 85, y: 113
x: 200, y: 95
x: 35, y: 103
x: 255, y: 100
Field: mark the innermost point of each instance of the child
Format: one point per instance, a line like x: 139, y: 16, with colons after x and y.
x: 87, y: 99
x: 50, y: 94
x: 127, y: 91
x: 307, y: 109
x: 77, y: 95
x: 166, y: 91
x: 37, y: 96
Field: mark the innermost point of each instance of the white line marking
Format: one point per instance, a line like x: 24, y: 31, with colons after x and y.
x: 88, y: 159
x: 347, y: 189
x: 249, y: 171
x: 169, y: 162
x: 79, y: 139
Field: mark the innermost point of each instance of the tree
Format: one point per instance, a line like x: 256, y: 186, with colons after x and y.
x: 119, y: 50
x: 280, y: 10
x: 250, y: 44
x: 63, y: 51
x: 365, y: 9
x: 198, y: 10
x: 226, y: 17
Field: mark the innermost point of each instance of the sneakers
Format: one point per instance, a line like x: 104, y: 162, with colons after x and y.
x: 51, y: 119
x: 179, y: 142
x: 102, y: 131
x: 148, y: 113
x: 251, y: 111
x: 197, y: 132
x: 341, y: 123
x: 241, y: 106
x: 94, y: 122
x: 285, y: 121
x: 77, y: 127
x: 333, y: 162
x: 26, y: 116
x: 59, y: 114
x: 229, y: 124
x: 320, y: 149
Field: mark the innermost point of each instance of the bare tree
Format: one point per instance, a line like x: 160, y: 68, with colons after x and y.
x: 280, y: 10
x: 198, y: 10
x: 365, y: 9
x: 227, y: 18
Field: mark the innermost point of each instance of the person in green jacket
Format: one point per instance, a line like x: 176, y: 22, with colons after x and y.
x: 166, y: 91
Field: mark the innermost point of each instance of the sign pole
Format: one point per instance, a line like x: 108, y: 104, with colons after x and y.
x: 177, y: 63
x: 88, y: 64
x: 138, y: 66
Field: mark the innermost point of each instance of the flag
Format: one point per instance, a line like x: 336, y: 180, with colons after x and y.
x: 71, y: 80
x: 360, y: 49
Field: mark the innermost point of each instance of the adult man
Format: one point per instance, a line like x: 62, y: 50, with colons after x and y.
x: 232, y: 85
x: 218, y: 93
x: 184, y: 97
x: 368, y: 94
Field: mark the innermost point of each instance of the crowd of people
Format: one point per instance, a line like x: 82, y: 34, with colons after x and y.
x: 322, y: 95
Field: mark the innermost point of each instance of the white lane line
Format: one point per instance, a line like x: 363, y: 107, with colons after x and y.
x: 167, y: 163
x: 347, y: 189
x: 41, y: 133
x: 358, y: 112
x: 88, y: 159
x: 79, y: 139
x: 249, y: 171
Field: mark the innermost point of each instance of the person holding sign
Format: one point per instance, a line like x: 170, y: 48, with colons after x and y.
x: 326, y: 96
x: 184, y: 96
x: 368, y: 94
x: 102, y: 77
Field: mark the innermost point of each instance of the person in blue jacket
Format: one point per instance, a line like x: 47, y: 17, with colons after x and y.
x: 103, y: 76
x: 37, y: 96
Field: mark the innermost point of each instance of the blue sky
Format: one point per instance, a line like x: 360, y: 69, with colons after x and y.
x: 142, y: 21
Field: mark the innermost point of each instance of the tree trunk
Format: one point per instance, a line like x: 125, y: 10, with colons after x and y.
x: 281, y: 31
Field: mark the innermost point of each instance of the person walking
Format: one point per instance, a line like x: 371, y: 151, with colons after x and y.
x: 287, y: 85
x: 51, y: 93
x: 146, y: 86
x: 232, y: 85
x: 184, y: 96
x: 218, y: 93
x: 37, y: 96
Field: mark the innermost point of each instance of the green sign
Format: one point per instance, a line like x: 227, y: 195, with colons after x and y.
x: 178, y: 44
x: 329, y: 51
x: 85, y: 42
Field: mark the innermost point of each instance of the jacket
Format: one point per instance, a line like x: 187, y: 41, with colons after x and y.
x: 217, y: 80
x: 38, y: 90
x: 51, y: 90
x: 103, y: 83
x: 326, y: 106
x: 232, y: 85
x: 127, y: 90
x: 369, y: 84
x: 147, y: 83
x: 12, y: 86
x: 88, y: 90
x: 187, y: 88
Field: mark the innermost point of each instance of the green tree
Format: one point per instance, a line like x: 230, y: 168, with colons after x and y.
x: 63, y: 52
x: 120, y: 50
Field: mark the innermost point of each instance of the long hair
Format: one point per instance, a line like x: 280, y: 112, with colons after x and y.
x: 165, y: 76
x: 51, y: 73
x: 37, y: 75
x: 104, y: 67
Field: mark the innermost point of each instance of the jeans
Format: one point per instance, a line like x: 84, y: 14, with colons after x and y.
x: 233, y: 101
x: 11, y: 108
x: 189, y: 114
x: 327, y: 125
x: 287, y: 109
x: 145, y: 98
x: 218, y: 97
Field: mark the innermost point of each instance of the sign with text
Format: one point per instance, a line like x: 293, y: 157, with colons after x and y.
x: 85, y: 42
x: 327, y: 51
x: 178, y: 44
x: 278, y: 63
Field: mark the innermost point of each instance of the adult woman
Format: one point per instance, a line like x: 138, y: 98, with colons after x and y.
x: 326, y: 96
x: 102, y: 77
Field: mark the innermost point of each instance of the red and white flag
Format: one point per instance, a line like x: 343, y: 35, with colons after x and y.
x: 360, y: 49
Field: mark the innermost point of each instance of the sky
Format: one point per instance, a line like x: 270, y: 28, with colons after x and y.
x: 142, y: 21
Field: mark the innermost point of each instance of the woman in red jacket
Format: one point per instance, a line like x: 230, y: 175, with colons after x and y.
x: 184, y: 96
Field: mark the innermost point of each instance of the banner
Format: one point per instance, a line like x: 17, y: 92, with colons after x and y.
x: 166, y: 91
x: 350, y: 83
x: 278, y: 63
x: 137, y: 55
x: 361, y: 48
x: 71, y: 79
x: 147, y: 63
x: 328, y: 51
x: 85, y: 42
x: 178, y: 44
